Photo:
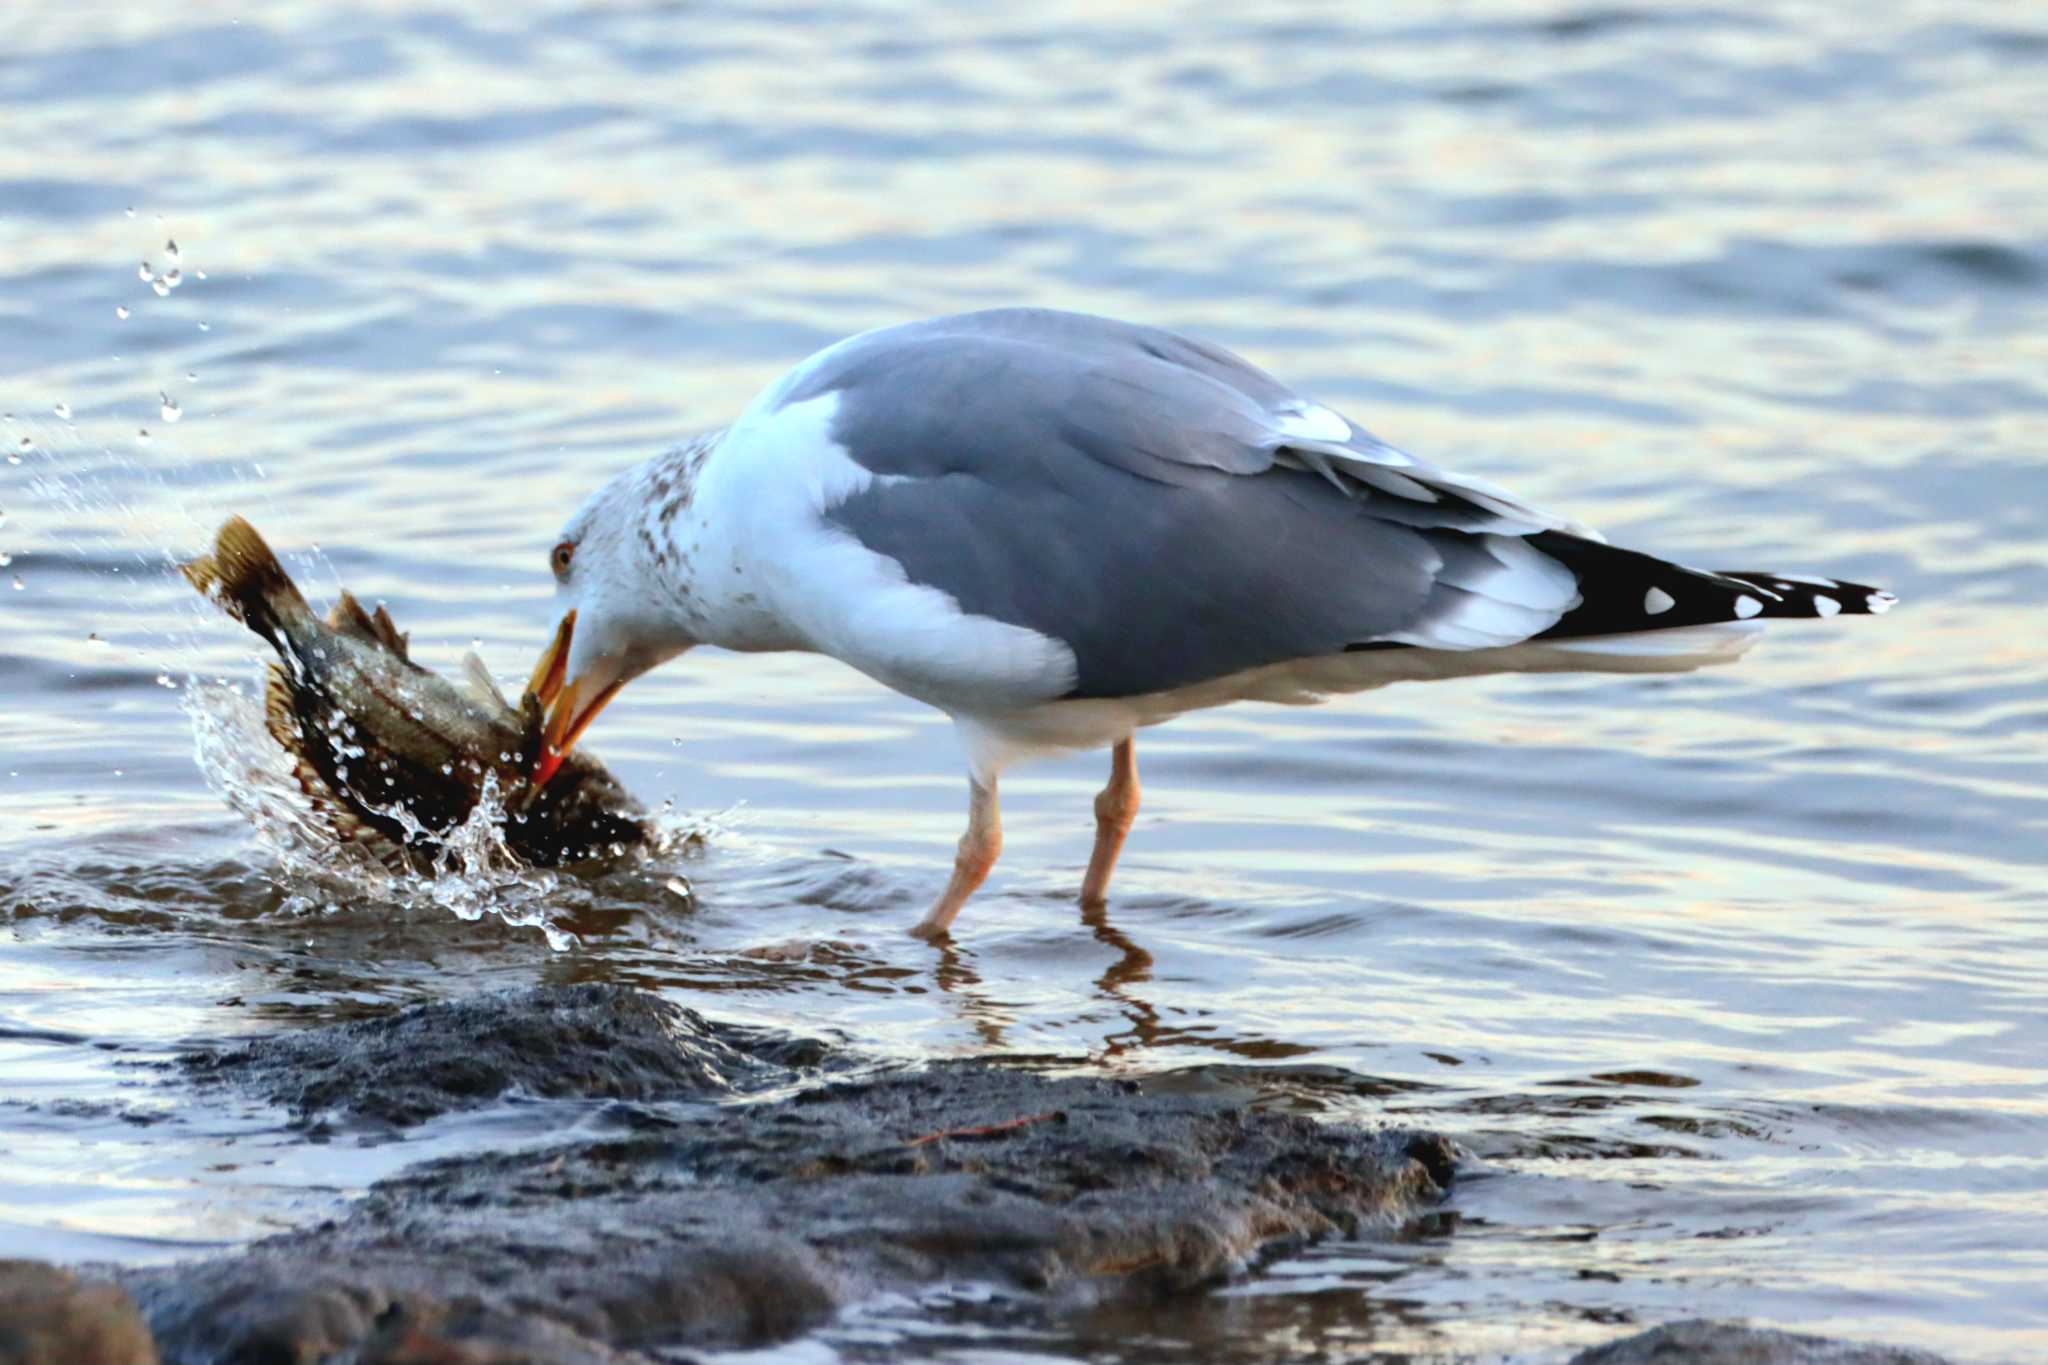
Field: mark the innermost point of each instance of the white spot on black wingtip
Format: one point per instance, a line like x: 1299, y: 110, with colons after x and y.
x: 1826, y: 606
x: 1747, y: 606
x: 1657, y: 601
x: 1880, y: 603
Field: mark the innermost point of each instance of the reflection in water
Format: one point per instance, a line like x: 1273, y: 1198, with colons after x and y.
x: 1133, y: 967
x: 1730, y: 983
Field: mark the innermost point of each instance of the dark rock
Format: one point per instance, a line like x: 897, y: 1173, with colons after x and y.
x: 50, y: 1316
x: 1697, y: 1342
x: 746, y: 1223
x: 592, y: 1041
x: 445, y: 1334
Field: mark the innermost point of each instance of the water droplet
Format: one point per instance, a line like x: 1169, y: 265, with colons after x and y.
x: 142, y: 436
x: 171, y: 251
x: 679, y: 886
x: 160, y: 286
x: 171, y: 411
x: 164, y: 680
x: 206, y: 327
x: 63, y: 411
x: 119, y: 773
x: 174, y: 278
x: 504, y: 757
x: 95, y: 640
x: 5, y: 559
x: 28, y: 443
x: 447, y: 769
x: 131, y: 210
x: 18, y: 584
x: 144, y: 273
x: 191, y: 376
x: 121, y: 310
x: 200, y: 274
x: 476, y: 642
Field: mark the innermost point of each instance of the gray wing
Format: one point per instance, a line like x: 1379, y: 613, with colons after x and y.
x: 1170, y: 512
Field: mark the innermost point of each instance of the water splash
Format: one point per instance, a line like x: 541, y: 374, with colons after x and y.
x: 474, y: 874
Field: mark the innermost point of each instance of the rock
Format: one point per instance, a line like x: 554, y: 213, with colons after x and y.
x: 445, y: 1335
x: 1697, y: 1342
x: 49, y: 1316
x: 744, y: 1224
x: 591, y: 1040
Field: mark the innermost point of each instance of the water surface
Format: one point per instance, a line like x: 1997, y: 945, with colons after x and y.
x: 1731, y: 982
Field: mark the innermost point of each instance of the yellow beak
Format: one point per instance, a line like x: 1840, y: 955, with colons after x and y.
x: 568, y: 714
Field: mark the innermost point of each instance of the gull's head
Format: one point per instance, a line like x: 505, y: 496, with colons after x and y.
x: 617, y: 580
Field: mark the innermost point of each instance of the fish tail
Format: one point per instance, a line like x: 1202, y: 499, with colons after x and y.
x: 244, y: 577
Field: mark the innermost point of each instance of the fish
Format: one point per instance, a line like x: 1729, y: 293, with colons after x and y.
x: 393, y: 757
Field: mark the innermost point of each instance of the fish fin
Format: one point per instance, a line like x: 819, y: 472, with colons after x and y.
x: 329, y: 807
x: 244, y: 577
x: 348, y: 617
x: 278, y: 716
x: 477, y: 681
x: 388, y: 634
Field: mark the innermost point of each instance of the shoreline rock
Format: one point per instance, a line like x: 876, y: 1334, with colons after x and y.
x: 590, y: 1041
x: 743, y: 1223
x: 50, y: 1316
x: 1697, y: 1341
x: 697, y: 1217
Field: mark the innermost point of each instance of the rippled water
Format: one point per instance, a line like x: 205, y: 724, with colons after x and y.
x: 1733, y: 982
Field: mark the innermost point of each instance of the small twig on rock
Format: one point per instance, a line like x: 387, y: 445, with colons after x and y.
x: 987, y: 1129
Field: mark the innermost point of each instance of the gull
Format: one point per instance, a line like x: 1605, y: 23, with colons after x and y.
x: 1059, y: 528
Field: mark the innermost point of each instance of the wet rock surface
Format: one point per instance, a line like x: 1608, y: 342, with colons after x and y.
x: 50, y: 1316
x: 553, y: 1042
x: 1727, y: 1343
x: 692, y: 1213
x: 741, y: 1223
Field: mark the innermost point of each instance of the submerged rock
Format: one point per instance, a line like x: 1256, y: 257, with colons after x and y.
x: 748, y: 1222
x: 1698, y: 1342
x: 50, y: 1316
x: 554, y: 1042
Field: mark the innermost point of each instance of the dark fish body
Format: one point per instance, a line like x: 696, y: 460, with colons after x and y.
x: 392, y: 755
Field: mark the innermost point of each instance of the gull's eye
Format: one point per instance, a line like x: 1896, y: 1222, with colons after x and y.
x: 561, y: 557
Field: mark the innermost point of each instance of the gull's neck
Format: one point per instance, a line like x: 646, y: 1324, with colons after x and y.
x: 697, y: 553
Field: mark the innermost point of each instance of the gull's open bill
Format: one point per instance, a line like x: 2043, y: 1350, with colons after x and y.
x: 568, y: 716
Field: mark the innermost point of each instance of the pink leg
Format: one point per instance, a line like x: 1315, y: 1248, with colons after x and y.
x: 979, y: 848
x: 1116, y: 808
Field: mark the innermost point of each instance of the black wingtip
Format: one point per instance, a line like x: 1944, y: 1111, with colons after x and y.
x: 1802, y: 595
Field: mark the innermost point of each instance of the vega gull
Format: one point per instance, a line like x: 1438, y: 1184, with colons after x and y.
x: 1059, y: 528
